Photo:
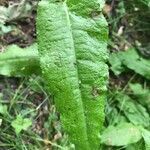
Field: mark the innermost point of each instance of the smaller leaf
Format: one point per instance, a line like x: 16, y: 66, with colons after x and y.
x: 16, y: 61
x: 131, y: 60
x: 146, y: 137
x: 21, y: 123
x: 142, y: 94
x: 116, y: 64
x: 4, y: 29
x: 143, y: 3
x: 119, y: 118
x: 3, y: 109
x: 136, y: 146
x: 121, y: 135
x: 136, y: 113
x: 138, y: 89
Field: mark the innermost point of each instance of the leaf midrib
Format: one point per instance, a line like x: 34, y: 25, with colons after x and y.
x: 71, y: 32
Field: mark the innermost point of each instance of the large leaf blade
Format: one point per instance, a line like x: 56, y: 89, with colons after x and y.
x: 73, y: 50
x: 62, y: 81
x: 91, y: 55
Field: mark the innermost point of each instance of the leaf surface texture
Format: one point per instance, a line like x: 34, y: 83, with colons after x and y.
x: 72, y: 41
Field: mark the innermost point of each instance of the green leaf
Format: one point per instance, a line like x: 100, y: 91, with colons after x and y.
x: 138, y: 89
x: 121, y: 135
x: 146, y: 137
x: 136, y: 146
x: 21, y: 123
x: 142, y: 94
x: 16, y: 61
x: 3, y: 109
x: 114, y: 117
x: 4, y: 29
x: 116, y: 64
x: 132, y: 60
x: 72, y: 42
x: 142, y: 3
x: 135, y: 112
